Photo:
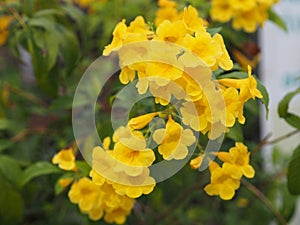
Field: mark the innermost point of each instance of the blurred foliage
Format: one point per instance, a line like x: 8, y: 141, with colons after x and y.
x: 62, y: 39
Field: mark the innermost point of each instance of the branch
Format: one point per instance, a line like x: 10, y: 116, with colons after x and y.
x: 265, y: 141
x: 265, y: 200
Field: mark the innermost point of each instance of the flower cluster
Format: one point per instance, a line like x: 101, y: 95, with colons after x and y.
x: 246, y: 15
x: 225, y: 180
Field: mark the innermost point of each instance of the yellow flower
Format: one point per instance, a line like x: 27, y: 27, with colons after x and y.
x: 221, y: 10
x: 231, y: 97
x: 173, y: 140
x: 65, y: 182
x: 140, y: 122
x: 65, y: 159
x: 171, y: 31
x: 192, y: 20
x: 196, y: 162
x: 117, y: 216
x: 243, y: 5
x: 167, y: 11
x: 133, y: 161
x: 222, y: 184
x: 127, y: 75
x: 247, y: 86
x: 134, y: 187
x: 137, y: 31
x: 4, y: 24
x: 204, y: 46
x: 223, y: 60
x: 87, y: 195
x: 236, y: 161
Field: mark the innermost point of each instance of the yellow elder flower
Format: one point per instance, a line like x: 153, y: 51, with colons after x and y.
x: 247, y: 86
x: 196, y: 162
x: 4, y: 24
x: 232, y: 103
x: 140, y: 122
x: 167, y: 11
x: 133, y: 161
x: 221, y: 10
x: 88, y: 197
x: 223, y: 60
x: 137, y: 31
x: 243, y: 5
x: 132, y: 139
x: 236, y: 161
x: 171, y: 31
x: 65, y: 182
x: 117, y: 216
x: 65, y: 159
x: 222, y: 184
x: 173, y: 140
x: 192, y: 20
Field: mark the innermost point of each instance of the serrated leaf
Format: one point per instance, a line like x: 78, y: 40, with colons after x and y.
x: 293, y: 175
x: 36, y: 170
x: 275, y: 18
x: 11, y: 203
x: 283, y: 107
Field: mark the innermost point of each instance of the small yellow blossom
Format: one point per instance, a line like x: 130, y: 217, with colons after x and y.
x: 171, y: 31
x: 222, y: 184
x: 87, y: 195
x: 140, y: 122
x: 173, y: 140
x: 196, y: 162
x: 65, y: 182
x: 4, y: 24
x: 65, y: 159
x: 221, y: 10
x: 192, y: 20
x: 236, y: 161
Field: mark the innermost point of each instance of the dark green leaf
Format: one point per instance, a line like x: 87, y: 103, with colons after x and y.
x: 236, y: 133
x: 11, y: 203
x: 264, y: 92
x: 293, y: 175
x: 10, y: 168
x: 4, y: 144
x: 36, y: 170
x: 275, y: 18
x: 83, y: 167
x: 283, y: 107
x: 234, y: 75
x: 214, y: 30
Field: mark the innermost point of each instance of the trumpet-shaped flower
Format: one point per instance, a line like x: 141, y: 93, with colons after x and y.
x: 140, y: 122
x: 171, y: 31
x: 192, y: 20
x: 222, y: 184
x: 196, y: 162
x: 4, y: 24
x: 236, y: 161
x: 173, y: 140
x: 86, y: 194
x: 65, y: 159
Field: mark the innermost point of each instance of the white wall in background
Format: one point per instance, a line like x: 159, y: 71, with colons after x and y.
x: 279, y: 69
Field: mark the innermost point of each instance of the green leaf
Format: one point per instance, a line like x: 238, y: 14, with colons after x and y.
x: 11, y: 169
x: 5, y: 124
x: 83, y: 167
x: 283, y: 107
x: 275, y: 18
x: 264, y: 92
x: 234, y: 75
x: 293, y: 175
x: 11, y: 203
x: 4, y: 144
x: 36, y: 170
x: 236, y: 133
x: 214, y: 30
